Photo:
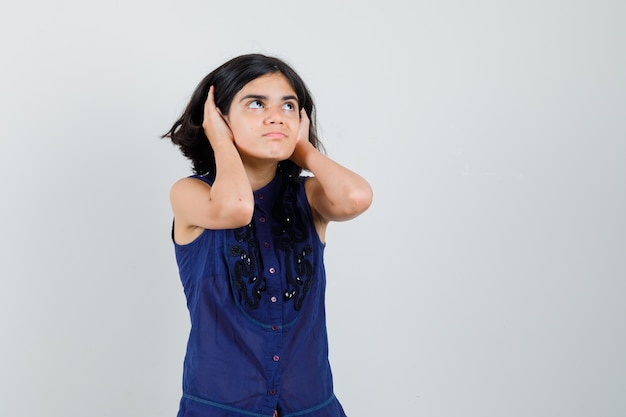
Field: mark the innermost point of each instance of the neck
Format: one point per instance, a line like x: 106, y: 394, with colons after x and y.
x: 260, y: 175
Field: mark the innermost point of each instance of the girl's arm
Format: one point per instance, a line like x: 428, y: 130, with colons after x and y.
x: 335, y: 193
x: 229, y: 202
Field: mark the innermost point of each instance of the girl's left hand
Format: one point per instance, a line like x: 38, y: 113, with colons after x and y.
x: 303, y: 146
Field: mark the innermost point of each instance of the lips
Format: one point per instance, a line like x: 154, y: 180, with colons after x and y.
x: 275, y: 134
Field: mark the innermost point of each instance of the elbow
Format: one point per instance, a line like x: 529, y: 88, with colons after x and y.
x: 240, y: 213
x: 234, y: 213
x: 357, y: 201
x: 361, y: 200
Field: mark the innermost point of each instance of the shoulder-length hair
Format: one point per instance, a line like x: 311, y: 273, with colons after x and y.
x: 187, y: 132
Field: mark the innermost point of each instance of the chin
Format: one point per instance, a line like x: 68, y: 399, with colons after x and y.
x: 279, y: 158
x: 281, y: 155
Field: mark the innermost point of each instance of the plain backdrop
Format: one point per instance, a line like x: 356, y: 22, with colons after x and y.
x: 487, y: 279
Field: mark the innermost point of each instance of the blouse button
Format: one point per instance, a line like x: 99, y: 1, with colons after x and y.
x: 272, y: 270
x: 266, y: 244
x: 260, y: 196
x: 262, y: 219
x: 276, y: 358
x: 273, y: 299
x: 272, y: 391
x: 274, y: 327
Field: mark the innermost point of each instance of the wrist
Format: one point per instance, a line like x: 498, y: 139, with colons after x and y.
x: 222, y: 144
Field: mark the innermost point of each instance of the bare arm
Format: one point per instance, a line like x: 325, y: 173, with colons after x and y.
x: 335, y: 192
x: 229, y: 203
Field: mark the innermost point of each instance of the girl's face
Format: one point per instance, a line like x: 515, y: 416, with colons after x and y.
x: 264, y: 119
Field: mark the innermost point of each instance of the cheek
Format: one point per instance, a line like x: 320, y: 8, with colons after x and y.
x: 239, y: 130
x: 291, y: 146
x: 244, y: 137
x: 241, y: 126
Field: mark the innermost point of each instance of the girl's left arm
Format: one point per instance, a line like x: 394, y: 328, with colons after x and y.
x: 335, y: 192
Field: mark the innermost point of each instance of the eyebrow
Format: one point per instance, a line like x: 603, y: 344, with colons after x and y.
x: 261, y: 97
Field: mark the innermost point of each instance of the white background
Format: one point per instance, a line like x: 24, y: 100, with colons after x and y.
x: 487, y: 279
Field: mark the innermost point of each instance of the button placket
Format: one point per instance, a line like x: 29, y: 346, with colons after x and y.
x: 264, y: 234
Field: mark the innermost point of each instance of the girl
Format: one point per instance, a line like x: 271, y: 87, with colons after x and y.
x: 249, y: 233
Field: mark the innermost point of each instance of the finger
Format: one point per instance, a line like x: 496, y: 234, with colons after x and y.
x: 209, y: 103
x: 303, y: 131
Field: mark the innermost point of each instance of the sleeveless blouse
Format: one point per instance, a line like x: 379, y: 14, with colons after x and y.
x: 258, y: 339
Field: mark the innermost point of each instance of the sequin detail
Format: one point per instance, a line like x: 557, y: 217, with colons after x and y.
x: 246, y: 270
x: 292, y: 238
x: 299, y: 275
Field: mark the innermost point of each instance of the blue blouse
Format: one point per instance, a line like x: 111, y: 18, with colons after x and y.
x: 255, y: 295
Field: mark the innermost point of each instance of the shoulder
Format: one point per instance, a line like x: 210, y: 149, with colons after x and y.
x: 195, y: 179
x: 185, y: 194
x: 311, y: 187
x: 188, y: 192
x: 190, y: 184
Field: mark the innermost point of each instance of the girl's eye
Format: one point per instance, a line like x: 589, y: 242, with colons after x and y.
x: 255, y: 104
x: 289, y: 106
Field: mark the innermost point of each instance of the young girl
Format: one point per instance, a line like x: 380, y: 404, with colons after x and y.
x: 249, y: 234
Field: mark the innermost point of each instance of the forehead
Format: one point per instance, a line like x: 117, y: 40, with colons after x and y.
x: 269, y: 84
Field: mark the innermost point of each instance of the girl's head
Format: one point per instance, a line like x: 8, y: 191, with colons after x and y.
x: 228, y: 79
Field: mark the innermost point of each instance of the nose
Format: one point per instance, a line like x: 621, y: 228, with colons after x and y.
x: 274, y: 115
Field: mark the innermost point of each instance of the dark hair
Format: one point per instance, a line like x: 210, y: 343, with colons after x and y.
x: 187, y: 132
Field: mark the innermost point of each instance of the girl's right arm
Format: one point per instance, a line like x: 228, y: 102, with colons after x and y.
x: 229, y: 203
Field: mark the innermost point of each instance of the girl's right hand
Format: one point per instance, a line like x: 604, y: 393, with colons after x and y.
x: 213, y: 123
